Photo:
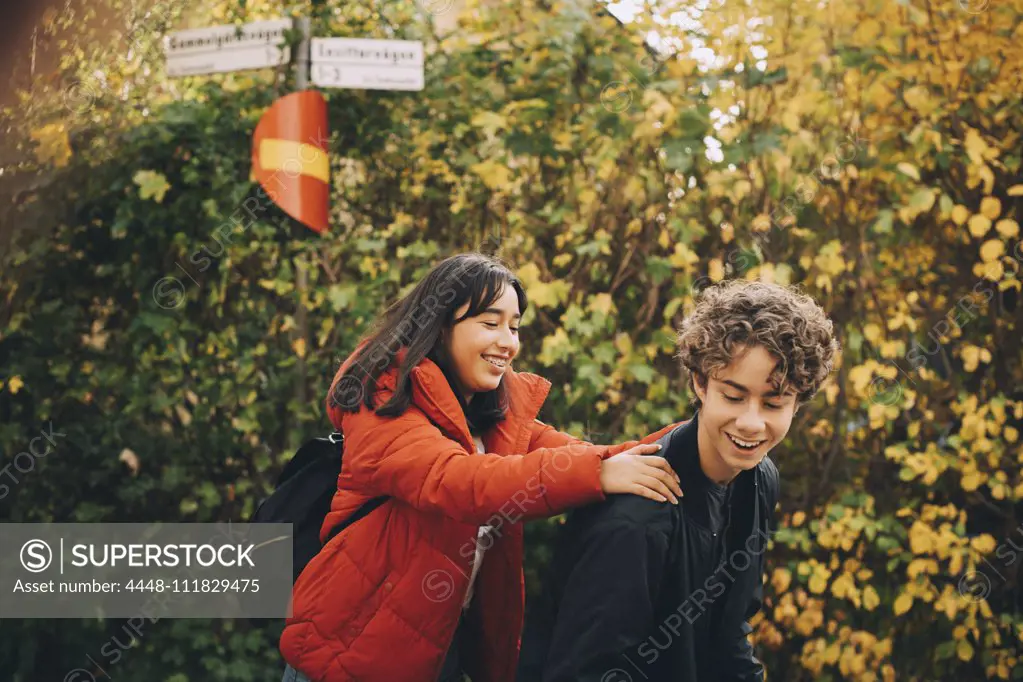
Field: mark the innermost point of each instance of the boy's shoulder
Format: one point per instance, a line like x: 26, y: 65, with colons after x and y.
x: 627, y: 510
x: 771, y: 482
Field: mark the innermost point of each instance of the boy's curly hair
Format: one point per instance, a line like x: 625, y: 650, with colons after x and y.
x: 786, y: 322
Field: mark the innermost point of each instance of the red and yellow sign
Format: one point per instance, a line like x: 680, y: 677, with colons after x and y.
x: 289, y: 157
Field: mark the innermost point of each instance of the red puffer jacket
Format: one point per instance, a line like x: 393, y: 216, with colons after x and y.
x: 382, y: 600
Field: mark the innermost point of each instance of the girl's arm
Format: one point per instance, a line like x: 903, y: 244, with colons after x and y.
x: 545, y: 436
x: 410, y: 459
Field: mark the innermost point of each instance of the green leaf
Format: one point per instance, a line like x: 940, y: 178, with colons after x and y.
x: 883, y: 224
x: 642, y: 372
x: 922, y: 199
x: 152, y: 185
x: 944, y: 651
x: 678, y: 155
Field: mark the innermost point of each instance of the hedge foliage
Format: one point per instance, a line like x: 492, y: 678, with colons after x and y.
x: 868, y: 151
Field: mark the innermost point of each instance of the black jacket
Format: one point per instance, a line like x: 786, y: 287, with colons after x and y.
x: 618, y: 605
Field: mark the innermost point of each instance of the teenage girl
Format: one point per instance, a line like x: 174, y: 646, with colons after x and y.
x: 429, y: 585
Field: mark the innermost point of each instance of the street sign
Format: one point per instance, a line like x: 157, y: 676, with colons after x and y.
x: 216, y: 49
x: 361, y: 63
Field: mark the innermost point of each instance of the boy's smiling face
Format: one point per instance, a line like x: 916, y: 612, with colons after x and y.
x: 743, y: 416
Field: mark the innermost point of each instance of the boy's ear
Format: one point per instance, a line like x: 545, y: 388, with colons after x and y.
x: 699, y: 383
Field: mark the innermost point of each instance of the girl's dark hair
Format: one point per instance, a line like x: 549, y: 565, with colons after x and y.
x: 417, y: 321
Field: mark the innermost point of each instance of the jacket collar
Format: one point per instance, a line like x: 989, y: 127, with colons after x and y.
x: 683, y: 444
x: 432, y: 393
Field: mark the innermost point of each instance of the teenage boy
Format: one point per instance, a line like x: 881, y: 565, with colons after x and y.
x: 649, y: 592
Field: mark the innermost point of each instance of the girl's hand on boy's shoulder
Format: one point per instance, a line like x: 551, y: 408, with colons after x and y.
x: 639, y: 472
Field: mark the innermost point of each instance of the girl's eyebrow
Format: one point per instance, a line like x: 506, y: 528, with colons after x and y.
x: 497, y: 311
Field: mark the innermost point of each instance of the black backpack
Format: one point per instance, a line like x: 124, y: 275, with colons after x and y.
x: 302, y: 496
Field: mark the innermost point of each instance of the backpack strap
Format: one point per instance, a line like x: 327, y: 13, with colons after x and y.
x: 338, y: 439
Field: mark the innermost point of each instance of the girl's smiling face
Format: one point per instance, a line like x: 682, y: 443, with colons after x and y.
x: 481, y: 348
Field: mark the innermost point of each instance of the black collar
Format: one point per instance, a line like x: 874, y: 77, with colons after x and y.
x: 681, y: 449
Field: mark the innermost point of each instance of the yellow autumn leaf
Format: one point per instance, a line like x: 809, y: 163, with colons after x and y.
x: 783, y: 274
x: 781, y: 579
x: 298, y: 345
x: 489, y: 121
x: 494, y: 175
x: 542, y: 294
x: 1007, y: 227
x: 903, y: 603
x: 919, y: 566
x: 972, y: 480
x: 870, y: 598
x: 716, y: 270
x: 790, y: 119
x: 762, y: 223
x: 727, y: 233
x: 964, y: 650
x: 602, y: 303
x: 991, y: 207
x: 1015, y: 191
x: 52, y: 144
x: 992, y: 271
x: 830, y: 260
x: 984, y: 543
x: 979, y: 225
x: 866, y: 31
x: 955, y: 564
x: 683, y: 257
x: 818, y: 583
x: 908, y: 169
x: 975, y: 147
x: 918, y: 98
x: 1010, y: 434
x: 991, y: 250
x: 959, y: 214
x: 971, y: 358
x: 15, y: 384
x: 798, y: 518
x: 921, y: 538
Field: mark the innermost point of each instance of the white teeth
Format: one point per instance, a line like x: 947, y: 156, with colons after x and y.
x: 744, y: 444
x: 496, y: 362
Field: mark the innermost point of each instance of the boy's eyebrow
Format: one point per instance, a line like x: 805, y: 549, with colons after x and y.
x: 775, y: 393
x: 497, y: 311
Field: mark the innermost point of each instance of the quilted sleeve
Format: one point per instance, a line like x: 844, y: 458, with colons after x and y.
x: 545, y: 436
x: 409, y: 458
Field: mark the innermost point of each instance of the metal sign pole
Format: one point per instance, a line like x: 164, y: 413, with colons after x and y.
x: 302, y: 24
